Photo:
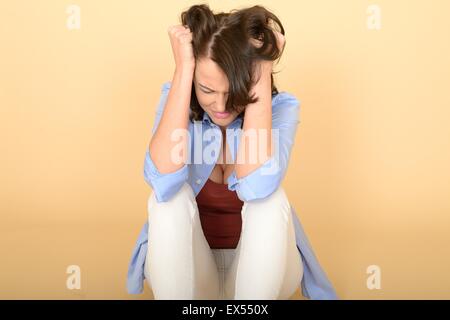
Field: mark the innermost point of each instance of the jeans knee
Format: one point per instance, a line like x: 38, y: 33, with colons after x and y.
x: 183, y: 201
x: 274, y: 204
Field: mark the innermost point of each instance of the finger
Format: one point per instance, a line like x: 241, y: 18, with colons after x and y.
x: 280, y: 39
x: 180, y: 32
x: 183, y: 31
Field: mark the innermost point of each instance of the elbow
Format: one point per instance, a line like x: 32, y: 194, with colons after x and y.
x: 259, y: 184
x: 249, y: 193
x: 165, y: 185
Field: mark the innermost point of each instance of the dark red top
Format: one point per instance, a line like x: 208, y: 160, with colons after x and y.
x: 220, y: 215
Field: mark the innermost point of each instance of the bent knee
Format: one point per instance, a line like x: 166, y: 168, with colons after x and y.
x: 277, y: 202
x: 184, y: 194
x: 181, y: 202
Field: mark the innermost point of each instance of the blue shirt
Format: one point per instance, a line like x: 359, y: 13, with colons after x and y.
x: 256, y: 185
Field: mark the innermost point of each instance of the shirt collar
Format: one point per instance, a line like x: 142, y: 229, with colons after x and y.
x: 206, y: 117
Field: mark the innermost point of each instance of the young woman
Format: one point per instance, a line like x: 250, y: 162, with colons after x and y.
x: 220, y: 225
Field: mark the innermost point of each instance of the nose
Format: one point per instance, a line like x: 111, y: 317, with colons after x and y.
x: 221, y: 103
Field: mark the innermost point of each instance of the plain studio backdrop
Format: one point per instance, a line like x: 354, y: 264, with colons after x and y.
x: 369, y: 173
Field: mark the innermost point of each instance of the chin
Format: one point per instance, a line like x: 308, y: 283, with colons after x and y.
x: 221, y: 123
x: 224, y: 122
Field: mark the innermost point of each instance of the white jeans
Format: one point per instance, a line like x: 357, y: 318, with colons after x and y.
x: 266, y: 263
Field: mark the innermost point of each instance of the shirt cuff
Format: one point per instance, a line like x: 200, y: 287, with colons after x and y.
x: 259, y: 184
x: 165, y: 185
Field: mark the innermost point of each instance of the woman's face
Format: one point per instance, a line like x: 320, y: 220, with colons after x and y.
x: 211, y: 87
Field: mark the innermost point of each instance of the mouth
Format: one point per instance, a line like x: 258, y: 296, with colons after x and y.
x: 221, y: 115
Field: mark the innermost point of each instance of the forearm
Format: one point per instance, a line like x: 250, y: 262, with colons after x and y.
x: 258, y: 118
x: 175, y: 116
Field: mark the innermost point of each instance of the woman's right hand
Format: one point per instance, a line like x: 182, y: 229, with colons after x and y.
x: 181, y: 41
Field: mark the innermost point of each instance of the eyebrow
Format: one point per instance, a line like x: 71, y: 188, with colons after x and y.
x: 206, y: 87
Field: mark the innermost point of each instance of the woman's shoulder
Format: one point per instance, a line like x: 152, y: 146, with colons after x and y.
x: 285, y: 108
x: 285, y: 99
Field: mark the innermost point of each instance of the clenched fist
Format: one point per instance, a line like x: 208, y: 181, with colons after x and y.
x: 181, y: 41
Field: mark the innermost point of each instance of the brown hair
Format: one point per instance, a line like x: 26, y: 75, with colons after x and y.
x: 225, y: 39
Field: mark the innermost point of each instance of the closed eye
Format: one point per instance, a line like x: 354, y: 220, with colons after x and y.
x: 209, y: 92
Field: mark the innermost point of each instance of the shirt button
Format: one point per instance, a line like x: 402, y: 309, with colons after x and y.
x: 198, y: 181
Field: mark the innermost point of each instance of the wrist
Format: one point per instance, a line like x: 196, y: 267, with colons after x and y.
x: 184, y: 72
x: 266, y: 66
x: 185, y: 68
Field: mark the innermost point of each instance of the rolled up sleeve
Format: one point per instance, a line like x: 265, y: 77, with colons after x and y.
x: 165, y: 185
x: 266, y: 179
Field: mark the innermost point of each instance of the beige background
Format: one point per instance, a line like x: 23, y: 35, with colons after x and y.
x: 369, y: 174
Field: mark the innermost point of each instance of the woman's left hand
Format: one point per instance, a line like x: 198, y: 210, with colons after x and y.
x: 281, y: 42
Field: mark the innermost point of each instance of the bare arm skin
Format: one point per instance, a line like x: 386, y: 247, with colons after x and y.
x: 175, y: 116
x: 257, y: 116
x: 176, y: 111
